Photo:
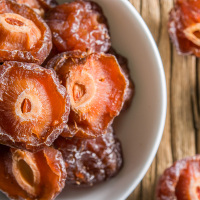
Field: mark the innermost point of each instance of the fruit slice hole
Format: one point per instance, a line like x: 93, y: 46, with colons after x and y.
x: 26, y: 106
x: 79, y: 91
x: 14, y: 22
x: 26, y: 172
x: 192, y: 33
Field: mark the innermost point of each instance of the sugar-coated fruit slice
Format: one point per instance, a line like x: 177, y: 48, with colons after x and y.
x: 130, y: 90
x: 184, y: 26
x: 90, y: 161
x: 34, y: 4
x: 181, y: 181
x: 25, y: 36
x: 25, y: 175
x: 97, y: 90
x: 39, y: 6
x: 34, y: 107
x: 79, y: 25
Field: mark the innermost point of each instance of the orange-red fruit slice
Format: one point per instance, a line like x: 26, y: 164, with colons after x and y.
x: 96, y: 86
x: 34, y: 4
x: 24, y: 35
x: 130, y: 90
x: 184, y: 26
x: 181, y: 181
x: 25, y: 175
x: 79, y: 25
x: 39, y: 6
x: 34, y: 107
x: 90, y: 161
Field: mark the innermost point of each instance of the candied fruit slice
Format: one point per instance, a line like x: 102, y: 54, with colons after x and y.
x: 96, y: 87
x: 34, y: 107
x: 184, y: 26
x: 181, y: 181
x: 130, y: 90
x: 25, y: 36
x: 34, y: 4
x: 25, y: 175
x: 39, y: 6
x: 79, y: 25
x: 90, y: 161
x: 23, y: 30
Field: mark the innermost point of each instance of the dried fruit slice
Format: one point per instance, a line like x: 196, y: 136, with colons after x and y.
x: 90, y: 161
x: 25, y: 175
x: 34, y: 4
x: 34, y: 107
x: 39, y: 6
x: 79, y: 25
x: 130, y: 90
x: 96, y: 87
x: 181, y: 181
x: 184, y: 26
x: 24, y: 35
x: 48, y: 4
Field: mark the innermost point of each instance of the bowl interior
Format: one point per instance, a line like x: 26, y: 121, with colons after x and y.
x: 140, y: 128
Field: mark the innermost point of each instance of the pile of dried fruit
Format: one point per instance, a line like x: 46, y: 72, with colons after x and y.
x: 56, y: 118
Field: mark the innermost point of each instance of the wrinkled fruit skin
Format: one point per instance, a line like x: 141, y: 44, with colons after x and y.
x: 90, y: 161
x: 34, y: 4
x: 97, y: 90
x: 39, y: 6
x: 79, y: 25
x: 25, y: 175
x: 25, y: 37
x: 184, y: 27
x: 130, y: 90
x: 181, y: 181
x: 34, y: 107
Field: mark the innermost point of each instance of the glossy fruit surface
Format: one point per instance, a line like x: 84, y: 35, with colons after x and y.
x: 90, y: 161
x: 25, y: 175
x: 79, y: 25
x: 24, y: 35
x: 181, y: 181
x: 184, y: 26
x: 96, y: 86
x: 34, y: 107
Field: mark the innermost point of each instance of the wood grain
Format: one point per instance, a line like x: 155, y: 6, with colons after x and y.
x: 181, y: 137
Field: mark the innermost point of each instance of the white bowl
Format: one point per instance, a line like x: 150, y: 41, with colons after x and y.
x: 140, y: 128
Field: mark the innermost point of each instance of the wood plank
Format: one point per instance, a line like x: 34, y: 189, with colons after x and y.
x: 164, y: 154
x: 183, y: 131
x: 150, y: 11
x: 137, y: 4
x: 196, y: 105
x: 136, y: 195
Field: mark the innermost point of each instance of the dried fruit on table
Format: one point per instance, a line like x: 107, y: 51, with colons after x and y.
x: 25, y: 175
x: 34, y: 107
x: 96, y: 86
x: 130, y: 90
x: 90, y: 161
x: 39, y: 6
x: 184, y: 26
x: 25, y: 36
x: 181, y: 181
x: 79, y: 25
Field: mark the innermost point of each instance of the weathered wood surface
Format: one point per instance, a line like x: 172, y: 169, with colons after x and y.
x: 181, y: 137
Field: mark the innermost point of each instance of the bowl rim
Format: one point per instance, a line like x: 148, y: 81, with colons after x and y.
x: 160, y: 67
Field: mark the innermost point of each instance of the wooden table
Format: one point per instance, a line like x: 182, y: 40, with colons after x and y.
x: 181, y: 137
